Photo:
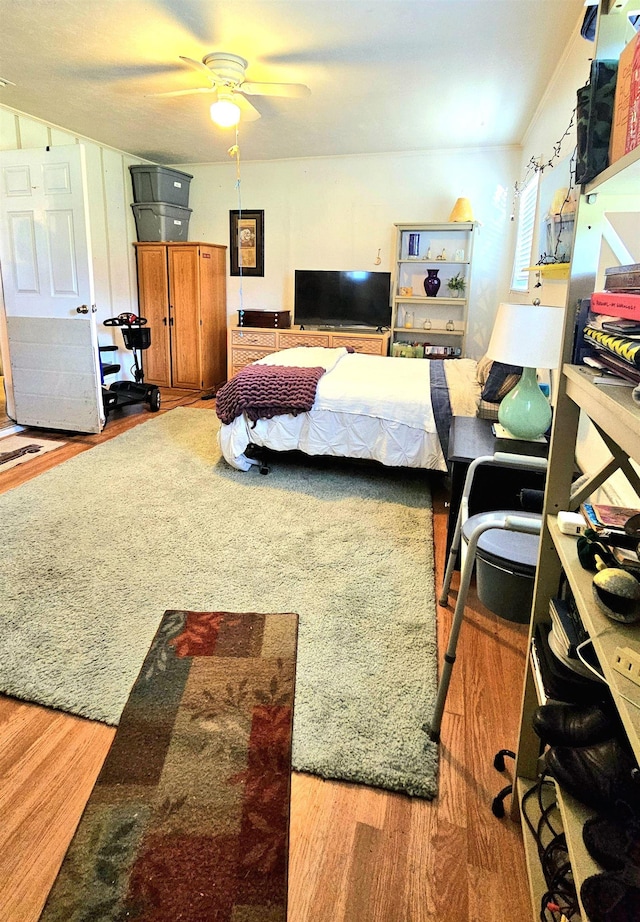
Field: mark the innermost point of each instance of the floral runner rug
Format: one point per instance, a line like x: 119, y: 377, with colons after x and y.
x: 189, y: 817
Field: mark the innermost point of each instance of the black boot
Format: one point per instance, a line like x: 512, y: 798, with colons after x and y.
x: 613, y: 896
x: 613, y: 842
x: 574, y: 724
x: 600, y: 776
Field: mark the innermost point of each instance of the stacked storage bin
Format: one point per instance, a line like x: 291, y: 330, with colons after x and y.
x: 160, y: 200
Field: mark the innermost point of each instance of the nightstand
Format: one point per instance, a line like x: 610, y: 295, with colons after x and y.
x: 494, y: 486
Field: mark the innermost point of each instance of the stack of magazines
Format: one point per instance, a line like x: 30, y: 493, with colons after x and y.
x: 609, y: 327
x: 611, y: 524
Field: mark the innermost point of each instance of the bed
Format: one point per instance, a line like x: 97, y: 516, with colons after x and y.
x: 393, y: 410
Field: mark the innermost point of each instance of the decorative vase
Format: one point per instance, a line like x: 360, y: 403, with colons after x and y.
x: 432, y: 283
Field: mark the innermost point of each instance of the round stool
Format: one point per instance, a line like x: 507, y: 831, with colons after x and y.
x: 505, y: 566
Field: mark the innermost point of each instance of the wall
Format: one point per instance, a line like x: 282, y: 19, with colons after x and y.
x: 339, y: 212
x: 111, y: 219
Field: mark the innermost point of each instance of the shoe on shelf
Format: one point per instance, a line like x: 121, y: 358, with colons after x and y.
x: 600, y: 776
x: 574, y: 724
x: 613, y: 896
x: 613, y: 842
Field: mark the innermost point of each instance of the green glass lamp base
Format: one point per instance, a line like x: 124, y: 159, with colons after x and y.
x: 525, y: 411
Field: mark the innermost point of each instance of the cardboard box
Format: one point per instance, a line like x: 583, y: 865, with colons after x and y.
x: 625, y: 129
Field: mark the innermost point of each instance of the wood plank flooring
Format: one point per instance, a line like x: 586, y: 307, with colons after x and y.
x: 357, y: 854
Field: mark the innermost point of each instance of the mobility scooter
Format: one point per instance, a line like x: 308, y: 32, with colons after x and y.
x: 136, y: 336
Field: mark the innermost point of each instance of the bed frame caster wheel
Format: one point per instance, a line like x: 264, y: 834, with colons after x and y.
x: 264, y: 468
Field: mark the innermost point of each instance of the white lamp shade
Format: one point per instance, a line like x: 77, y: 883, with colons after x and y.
x: 527, y: 335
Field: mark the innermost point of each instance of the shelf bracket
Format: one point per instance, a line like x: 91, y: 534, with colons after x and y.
x: 622, y: 459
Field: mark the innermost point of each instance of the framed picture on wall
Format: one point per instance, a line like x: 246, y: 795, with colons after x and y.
x: 246, y: 237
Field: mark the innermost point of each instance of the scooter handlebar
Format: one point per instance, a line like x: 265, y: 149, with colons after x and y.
x: 125, y: 320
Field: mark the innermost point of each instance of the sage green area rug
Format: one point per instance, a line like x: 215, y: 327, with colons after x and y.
x: 96, y: 549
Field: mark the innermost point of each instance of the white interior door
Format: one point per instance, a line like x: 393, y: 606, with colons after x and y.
x: 45, y: 259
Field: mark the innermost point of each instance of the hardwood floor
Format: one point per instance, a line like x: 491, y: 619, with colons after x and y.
x: 357, y: 854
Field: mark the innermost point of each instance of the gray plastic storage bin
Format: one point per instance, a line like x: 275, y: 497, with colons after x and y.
x: 156, y: 221
x: 160, y: 184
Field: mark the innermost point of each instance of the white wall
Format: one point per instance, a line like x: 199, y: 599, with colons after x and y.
x: 111, y: 219
x: 338, y: 212
x: 546, y: 129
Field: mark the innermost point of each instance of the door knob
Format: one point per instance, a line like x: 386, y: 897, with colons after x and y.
x: 83, y: 309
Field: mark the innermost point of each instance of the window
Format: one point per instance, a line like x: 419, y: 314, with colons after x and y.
x: 527, y: 201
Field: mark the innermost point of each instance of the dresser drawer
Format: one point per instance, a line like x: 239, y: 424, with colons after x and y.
x: 372, y: 346
x: 289, y: 340
x: 248, y: 337
x: 242, y: 357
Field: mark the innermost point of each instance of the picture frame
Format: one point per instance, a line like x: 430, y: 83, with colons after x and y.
x: 246, y: 239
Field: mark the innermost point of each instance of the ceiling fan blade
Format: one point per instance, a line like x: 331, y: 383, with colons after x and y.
x: 196, y: 90
x: 292, y: 90
x: 198, y: 65
x: 248, y: 112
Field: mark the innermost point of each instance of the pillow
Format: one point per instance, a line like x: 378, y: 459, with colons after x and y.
x: 482, y: 370
x: 502, y: 378
x: 488, y: 410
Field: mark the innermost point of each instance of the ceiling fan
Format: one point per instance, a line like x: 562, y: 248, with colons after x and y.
x: 226, y: 75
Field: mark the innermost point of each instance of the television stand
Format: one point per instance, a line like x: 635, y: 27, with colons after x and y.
x: 248, y: 344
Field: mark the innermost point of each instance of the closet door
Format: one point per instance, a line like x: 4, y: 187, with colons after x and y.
x: 184, y: 307
x: 153, y: 300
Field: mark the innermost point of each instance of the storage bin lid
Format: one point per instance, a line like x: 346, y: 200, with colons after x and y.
x: 512, y: 549
x: 153, y: 168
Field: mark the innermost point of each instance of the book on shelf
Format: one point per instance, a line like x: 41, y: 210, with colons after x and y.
x: 627, y: 558
x: 622, y: 327
x: 616, y: 304
x: 566, y: 626
x: 623, y: 278
x: 602, y: 517
x: 614, y: 370
x: 561, y: 677
x: 623, y: 347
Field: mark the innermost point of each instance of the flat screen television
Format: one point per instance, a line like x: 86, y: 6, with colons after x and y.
x: 324, y: 298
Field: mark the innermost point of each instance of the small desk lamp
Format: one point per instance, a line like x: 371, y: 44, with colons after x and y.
x: 527, y: 335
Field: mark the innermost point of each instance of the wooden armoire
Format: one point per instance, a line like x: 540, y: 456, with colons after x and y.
x: 182, y: 293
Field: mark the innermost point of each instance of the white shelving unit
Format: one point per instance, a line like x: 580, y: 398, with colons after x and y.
x: 617, y: 418
x: 447, y: 251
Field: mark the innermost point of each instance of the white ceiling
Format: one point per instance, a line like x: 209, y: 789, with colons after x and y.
x: 385, y: 75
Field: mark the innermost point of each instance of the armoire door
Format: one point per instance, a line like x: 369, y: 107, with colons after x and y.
x: 184, y: 301
x: 153, y: 299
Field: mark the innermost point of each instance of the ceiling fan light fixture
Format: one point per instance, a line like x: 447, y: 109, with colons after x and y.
x: 225, y: 113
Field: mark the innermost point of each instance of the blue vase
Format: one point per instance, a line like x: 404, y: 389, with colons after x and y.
x: 432, y: 283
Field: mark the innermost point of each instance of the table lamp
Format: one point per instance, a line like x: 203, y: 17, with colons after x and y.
x: 528, y: 335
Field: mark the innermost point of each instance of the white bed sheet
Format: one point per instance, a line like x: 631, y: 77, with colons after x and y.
x: 354, y: 416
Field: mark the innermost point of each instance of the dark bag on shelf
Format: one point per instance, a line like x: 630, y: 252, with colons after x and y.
x: 594, y: 115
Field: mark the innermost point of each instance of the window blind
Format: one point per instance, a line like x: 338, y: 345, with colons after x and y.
x: 524, y: 236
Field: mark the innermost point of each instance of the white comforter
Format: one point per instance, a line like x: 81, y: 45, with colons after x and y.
x: 366, y: 406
